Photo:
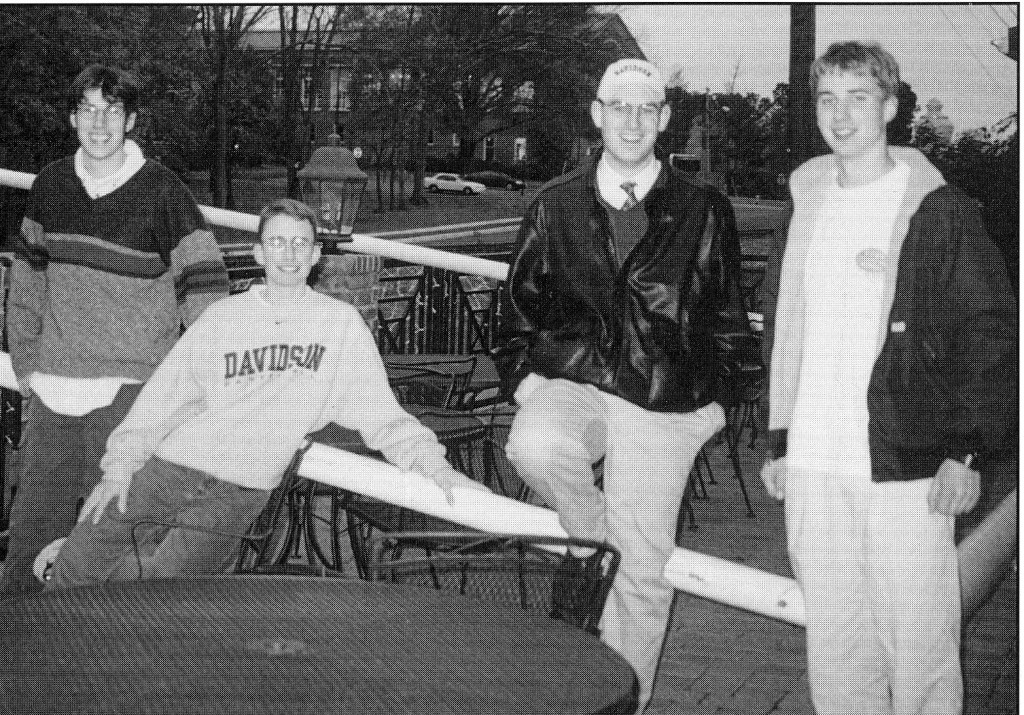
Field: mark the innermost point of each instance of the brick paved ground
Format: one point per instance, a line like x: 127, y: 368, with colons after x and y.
x: 719, y: 659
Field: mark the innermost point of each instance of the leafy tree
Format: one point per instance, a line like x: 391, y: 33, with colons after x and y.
x: 45, y: 46
x: 986, y: 166
x: 901, y: 128
x: 483, y: 56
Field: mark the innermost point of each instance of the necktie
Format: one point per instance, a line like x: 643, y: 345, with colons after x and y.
x: 631, y: 199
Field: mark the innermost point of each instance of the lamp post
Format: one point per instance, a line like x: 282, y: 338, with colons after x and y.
x: 332, y: 184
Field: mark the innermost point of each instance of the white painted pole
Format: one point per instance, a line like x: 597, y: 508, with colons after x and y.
x: 382, y: 247
x: 7, y: 378
x: 16, y: 179
x: 986, y: 554
x: 707, y: 576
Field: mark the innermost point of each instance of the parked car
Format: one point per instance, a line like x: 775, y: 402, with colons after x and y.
x: 498, y: 180
x: 452, y: 182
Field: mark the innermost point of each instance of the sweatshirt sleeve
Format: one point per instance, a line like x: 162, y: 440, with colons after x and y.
x: 170, y: 397
x: 200, y: 276
x: 365, y: 403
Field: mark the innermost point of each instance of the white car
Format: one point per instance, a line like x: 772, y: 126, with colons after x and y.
x: 453, y: 182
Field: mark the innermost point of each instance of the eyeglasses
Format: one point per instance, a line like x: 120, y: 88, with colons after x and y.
x: 299, y: 243
x: 92, y: 112
x: 624, y: 110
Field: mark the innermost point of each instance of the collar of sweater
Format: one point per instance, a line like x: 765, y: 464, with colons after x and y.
x: 96, y: 188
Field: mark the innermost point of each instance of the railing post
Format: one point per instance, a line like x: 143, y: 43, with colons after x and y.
x: 354, y: 279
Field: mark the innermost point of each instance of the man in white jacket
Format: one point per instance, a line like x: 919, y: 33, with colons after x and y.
x: 212, y: 432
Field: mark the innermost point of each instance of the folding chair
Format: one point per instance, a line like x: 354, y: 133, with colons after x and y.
x: 512, y: 570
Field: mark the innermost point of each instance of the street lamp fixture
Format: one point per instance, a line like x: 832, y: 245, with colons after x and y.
x: 332, y: 184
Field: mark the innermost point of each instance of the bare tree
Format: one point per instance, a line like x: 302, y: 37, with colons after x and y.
x: 223, y: 28
x: 389, y: 81
x: 730, y: 84
x: 308, y: 41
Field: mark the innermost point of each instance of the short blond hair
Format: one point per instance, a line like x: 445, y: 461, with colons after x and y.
x: 868, y: 58
x: 289, y: 207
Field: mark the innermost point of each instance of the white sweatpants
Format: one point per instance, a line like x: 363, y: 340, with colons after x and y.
x: 561, y: 429
x: 881, y: 586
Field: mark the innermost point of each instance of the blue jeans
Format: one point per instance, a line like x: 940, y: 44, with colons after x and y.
x: 219, y: 511
x: 60, y: 458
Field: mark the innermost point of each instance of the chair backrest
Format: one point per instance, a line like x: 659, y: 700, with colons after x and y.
x: 511, y: 570
x: 441, y: 383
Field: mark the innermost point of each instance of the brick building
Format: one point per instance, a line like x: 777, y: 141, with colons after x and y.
x: 331, y: 109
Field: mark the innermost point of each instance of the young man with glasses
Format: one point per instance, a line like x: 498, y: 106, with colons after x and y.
x: 893, y: 373
x: 624, y: 273
x: 114, y: 259
x: 214, y: 428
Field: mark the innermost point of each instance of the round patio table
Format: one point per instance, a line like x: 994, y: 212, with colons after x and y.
x: 297, y: 645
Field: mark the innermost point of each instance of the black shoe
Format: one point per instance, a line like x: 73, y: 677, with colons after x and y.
x: 575, y: 584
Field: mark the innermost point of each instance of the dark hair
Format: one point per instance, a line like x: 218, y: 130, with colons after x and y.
x: 859, y: 57
x: 288, y: 207
x: 116, y: 85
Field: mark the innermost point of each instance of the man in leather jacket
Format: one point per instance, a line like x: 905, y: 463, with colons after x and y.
x: 624, y: 305
x: 892, y: 375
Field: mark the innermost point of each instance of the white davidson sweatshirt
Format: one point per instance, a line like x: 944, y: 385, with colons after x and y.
x: 250, y: 378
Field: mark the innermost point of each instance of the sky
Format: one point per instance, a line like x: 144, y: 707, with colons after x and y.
x: 944, y: 51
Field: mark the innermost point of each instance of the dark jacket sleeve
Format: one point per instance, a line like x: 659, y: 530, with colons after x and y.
x: 775, y: 444
x: 735, y: 344
x: 983, y: 376
x: 525, y: 301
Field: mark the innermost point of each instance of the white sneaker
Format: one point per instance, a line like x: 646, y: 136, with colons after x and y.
x: 43, y: 566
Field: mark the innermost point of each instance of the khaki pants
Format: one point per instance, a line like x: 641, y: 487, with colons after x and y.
x: 882, y: 592
x: 560, y: 431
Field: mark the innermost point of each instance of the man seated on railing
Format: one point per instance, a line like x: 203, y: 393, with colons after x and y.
x: 624, y: 314
x: 213, y: 430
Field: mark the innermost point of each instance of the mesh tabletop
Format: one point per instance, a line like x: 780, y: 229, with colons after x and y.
x: 297, y: 645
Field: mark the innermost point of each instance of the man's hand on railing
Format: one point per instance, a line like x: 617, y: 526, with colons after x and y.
x: 448, y: 479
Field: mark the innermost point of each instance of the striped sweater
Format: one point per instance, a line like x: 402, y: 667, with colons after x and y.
x: 101, y: 287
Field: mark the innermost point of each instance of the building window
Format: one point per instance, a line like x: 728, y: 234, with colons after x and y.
x: 456, y: 141
x: 430, y: 136
x: 489, y: 149
x: 520, y: 149
x: 341, y: 80
x: 306, y: 91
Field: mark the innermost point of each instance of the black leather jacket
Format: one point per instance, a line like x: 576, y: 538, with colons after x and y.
x: 657, y: 327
